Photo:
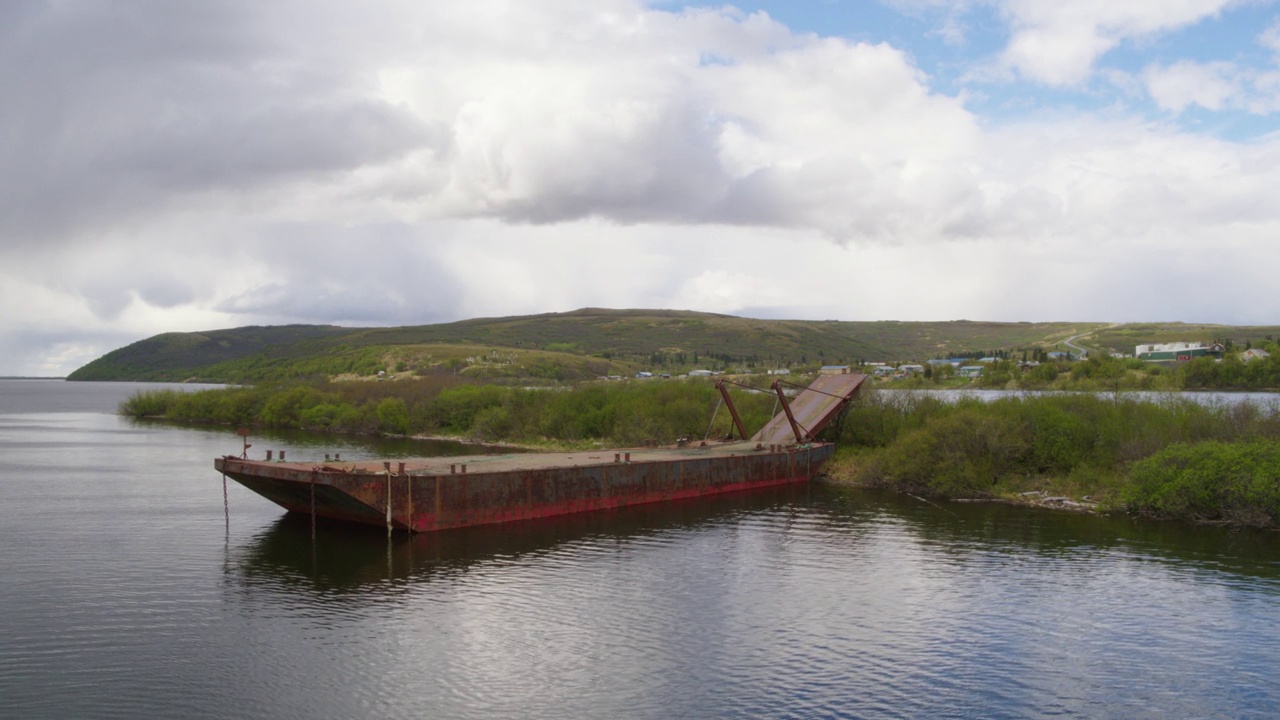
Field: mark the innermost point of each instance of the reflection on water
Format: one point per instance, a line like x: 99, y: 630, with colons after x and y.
x: 334, y: 558
x: 803, y: 601
x: 344, y: 558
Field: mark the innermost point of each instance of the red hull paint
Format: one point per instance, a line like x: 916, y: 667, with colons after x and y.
x: 423, y: 499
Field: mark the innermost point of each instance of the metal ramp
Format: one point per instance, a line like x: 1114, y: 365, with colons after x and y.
x: 805, y: 415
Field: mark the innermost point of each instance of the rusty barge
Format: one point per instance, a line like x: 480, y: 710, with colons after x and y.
x: 428, y: 494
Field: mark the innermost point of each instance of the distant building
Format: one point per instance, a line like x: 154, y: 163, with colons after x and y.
x: 780, y: 371
x: 834, y: 370
x: 642, y: 374
x: 911, y: 368
x: 970, y: 371
x: 1254, y: 354
x: 881, y: 370
x: 1177, y: 351
x: 700, y: 373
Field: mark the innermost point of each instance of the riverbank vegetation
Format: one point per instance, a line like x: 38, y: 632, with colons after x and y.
x: 621, y: 413
x: 1173, y: 458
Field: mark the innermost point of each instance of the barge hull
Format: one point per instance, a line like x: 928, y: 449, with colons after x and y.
x: 424, y: 495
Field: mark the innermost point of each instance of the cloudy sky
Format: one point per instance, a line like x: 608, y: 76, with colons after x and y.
x: 175, y: 166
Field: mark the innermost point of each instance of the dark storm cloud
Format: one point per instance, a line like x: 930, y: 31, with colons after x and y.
x: 113, y: 108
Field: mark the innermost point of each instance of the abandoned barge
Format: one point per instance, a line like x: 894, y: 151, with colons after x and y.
x: 439, y: 493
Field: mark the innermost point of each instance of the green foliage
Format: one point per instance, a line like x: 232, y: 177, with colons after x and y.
x: 229, y: 406
x: 961, y: 453
x: 393, y: 416
x: 175, y: 357
x: 1210, y: 481
x: 978, y: 448
x: 997, y: 374
x: 284, y: 408
x: 629, y: 413
x: 1041, y: 376
x: 1232, y: 373
x: 149, y: 403
x: 455, y: 410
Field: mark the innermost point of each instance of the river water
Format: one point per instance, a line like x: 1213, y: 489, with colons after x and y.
x: 130, y: 590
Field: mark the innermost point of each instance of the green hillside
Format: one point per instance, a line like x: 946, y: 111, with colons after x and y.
x: 1123, y: 338
x: 181, y: 356
x: 590, y: 342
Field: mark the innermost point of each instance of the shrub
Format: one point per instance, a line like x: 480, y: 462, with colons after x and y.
x: 1210, y: 481
x: 284, y: 409
x: 964, y: 453
x: 149, y: 403
x: 393, y: 416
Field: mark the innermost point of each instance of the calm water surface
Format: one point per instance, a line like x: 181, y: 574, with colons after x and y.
x: 128, y: 592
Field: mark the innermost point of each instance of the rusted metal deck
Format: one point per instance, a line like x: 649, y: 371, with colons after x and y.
x: 813, y: 409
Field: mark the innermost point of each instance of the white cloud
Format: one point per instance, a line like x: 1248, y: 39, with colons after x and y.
x: 1175, y: 87
x: 1058, y: 43
x: 1270, y: 38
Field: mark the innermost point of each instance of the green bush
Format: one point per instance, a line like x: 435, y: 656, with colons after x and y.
x: 1210, y: 481
x: 284, y: 409
x: 149, y: 403
x: 965, y: 453
x: 393, y: 416
x: 622, y: 413
x: 1082, y: 441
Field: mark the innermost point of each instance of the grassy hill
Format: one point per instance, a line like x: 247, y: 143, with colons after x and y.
x: 1122, y: 338
x: 590, y: 342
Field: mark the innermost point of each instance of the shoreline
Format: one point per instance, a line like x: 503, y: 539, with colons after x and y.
x: 1041, y: 500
